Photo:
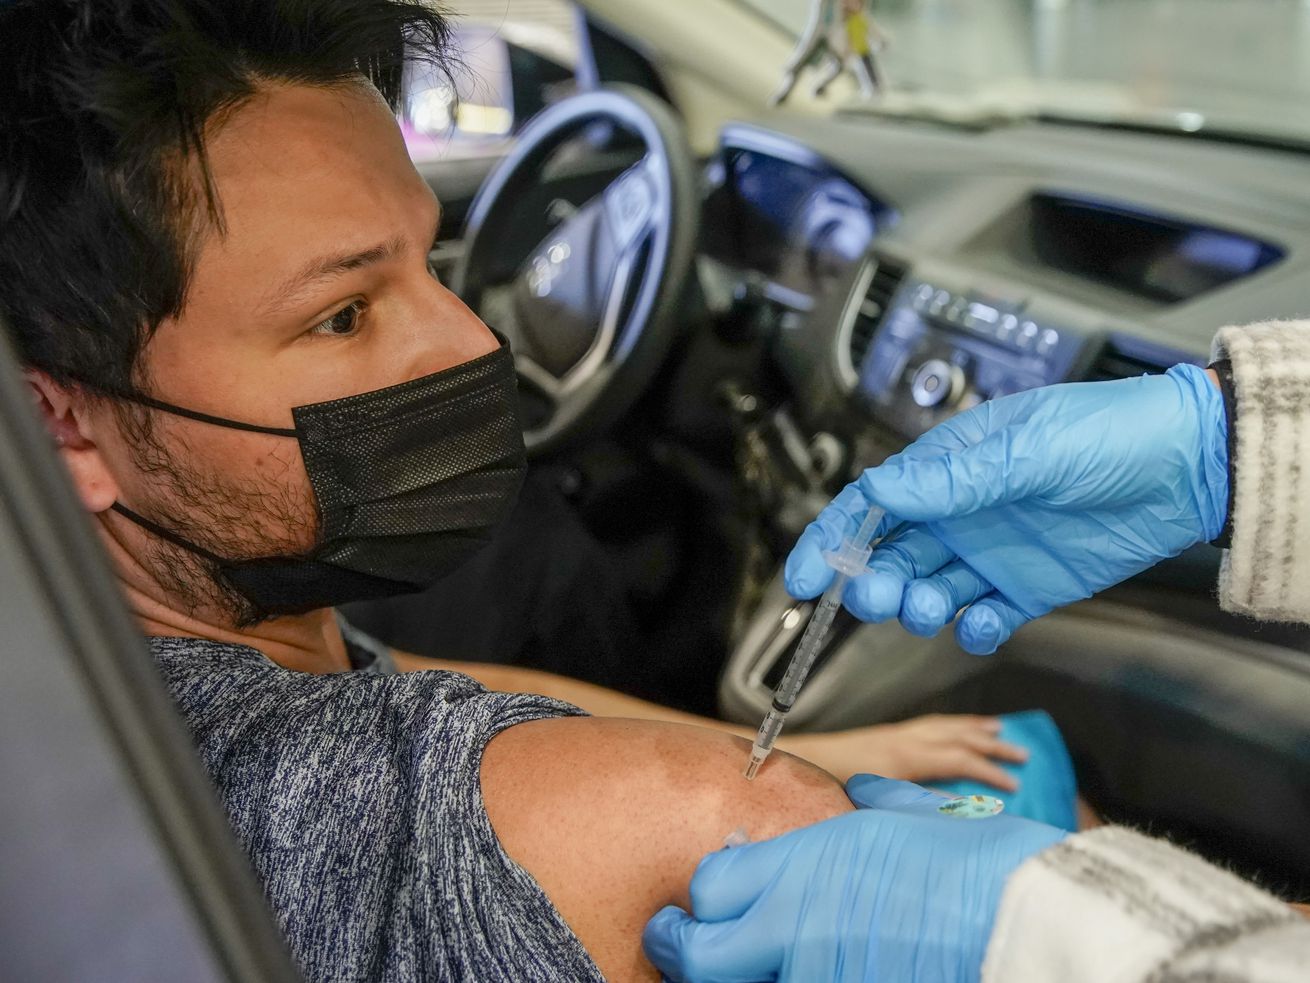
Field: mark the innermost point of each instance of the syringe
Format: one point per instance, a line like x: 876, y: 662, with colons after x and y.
x: 849, y: 561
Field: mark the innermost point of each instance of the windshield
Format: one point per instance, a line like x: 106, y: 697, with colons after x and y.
x: 1236, y: 65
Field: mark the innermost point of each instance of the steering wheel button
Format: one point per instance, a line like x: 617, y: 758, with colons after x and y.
x: 630, y: 203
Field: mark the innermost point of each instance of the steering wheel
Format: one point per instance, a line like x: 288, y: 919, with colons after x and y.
x: 592, y: 310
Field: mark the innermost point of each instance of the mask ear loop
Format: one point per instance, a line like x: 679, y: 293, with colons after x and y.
x: 164, y: 534
x: 216, y: 421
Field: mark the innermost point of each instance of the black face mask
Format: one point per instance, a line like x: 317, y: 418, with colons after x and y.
x: 410, y: 482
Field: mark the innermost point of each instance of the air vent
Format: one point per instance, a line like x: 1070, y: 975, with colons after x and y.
x: 882, y: 288
x: 1117, y: 362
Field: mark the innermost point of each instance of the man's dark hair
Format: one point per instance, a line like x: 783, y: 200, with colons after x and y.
x: 104, y: 187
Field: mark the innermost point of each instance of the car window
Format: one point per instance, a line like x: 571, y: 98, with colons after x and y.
x: 1216, y: 64
x: 116, y: 861
x: 514, y: 59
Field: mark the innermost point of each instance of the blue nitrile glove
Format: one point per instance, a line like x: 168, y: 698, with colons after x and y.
x: 1048, y: 790
x: 1027, y: 503
x: 893, y: 893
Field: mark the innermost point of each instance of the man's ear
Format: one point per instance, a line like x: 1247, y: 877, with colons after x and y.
x: 67, y: 417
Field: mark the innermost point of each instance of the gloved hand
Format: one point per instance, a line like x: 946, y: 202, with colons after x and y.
x: 1031, y: 502
x: 893, y: 893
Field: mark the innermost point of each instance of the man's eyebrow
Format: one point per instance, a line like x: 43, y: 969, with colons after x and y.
x: 326, y: 267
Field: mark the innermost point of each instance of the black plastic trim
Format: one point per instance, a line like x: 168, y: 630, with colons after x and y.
x: 1224, y: 369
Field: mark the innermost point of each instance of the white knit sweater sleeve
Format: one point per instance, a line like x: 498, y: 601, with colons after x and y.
x: 1113, y: 906
x: 1266, y: 573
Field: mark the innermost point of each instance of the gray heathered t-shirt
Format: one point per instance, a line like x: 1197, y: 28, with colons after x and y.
x: 358, y: 799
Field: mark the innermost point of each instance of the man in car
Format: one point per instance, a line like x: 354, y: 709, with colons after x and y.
x: 213, y: 251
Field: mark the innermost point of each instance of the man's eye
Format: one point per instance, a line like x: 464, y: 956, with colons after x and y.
x: 341, y: 324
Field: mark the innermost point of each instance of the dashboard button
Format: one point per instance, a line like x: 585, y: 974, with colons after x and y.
x: 1027, y: 337
x: 936, y: 382
x: 1049, y: 341
x: 826, y: 455
x: 1008, y: 325
x: 981, y: 317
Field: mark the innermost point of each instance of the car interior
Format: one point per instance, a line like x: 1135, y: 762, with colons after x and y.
x: 721, y: 312
x: 855, y: 277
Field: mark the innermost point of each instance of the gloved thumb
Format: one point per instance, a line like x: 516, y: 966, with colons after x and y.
x: 807, y: 574
x: 728, y: 882
x: 688, y: 951
x: 663, y: 941
x: 875, y: 792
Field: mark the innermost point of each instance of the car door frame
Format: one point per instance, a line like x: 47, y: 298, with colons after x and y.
x: 122, y: 710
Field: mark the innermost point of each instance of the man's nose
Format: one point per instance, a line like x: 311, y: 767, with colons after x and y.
x: 447, y: 333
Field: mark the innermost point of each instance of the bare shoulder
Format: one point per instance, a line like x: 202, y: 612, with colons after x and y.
x: 611, y: 816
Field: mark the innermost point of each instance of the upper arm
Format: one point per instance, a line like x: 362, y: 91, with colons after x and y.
x: 611, y: 816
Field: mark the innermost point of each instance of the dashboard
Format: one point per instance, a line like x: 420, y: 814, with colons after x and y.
x: 915, y: 270
x: 895, y: 272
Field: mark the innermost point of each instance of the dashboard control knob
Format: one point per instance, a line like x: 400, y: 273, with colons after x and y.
x: 826, y: 454
x: 741, y: 404
x: 937, y: 382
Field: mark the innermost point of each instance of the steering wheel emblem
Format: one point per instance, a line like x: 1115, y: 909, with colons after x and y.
x: 548, y: 267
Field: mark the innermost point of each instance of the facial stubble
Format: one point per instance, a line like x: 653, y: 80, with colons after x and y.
x: 234, y: 518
